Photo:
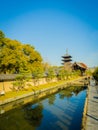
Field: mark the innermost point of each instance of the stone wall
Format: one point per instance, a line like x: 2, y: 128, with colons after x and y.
x: 8, y: 85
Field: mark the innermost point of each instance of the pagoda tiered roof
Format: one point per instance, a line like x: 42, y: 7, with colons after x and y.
x: 67, y: 60
x: 66, y: 57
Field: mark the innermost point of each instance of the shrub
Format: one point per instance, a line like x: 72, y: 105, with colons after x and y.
x: 95, y: 74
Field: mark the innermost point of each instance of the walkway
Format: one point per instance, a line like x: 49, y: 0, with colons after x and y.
x: 92, y: 109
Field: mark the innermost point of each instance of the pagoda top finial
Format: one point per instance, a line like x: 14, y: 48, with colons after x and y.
x: 67, y: 51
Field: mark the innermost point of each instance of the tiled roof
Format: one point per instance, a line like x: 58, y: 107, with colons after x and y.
x: 82, y: 65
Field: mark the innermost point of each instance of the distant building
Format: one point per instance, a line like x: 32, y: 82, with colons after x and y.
x: 67, y: 61
x: 79, y: 66
x: 69, y: 66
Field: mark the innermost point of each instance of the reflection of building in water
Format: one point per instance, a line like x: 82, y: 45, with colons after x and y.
x: 67, y: 61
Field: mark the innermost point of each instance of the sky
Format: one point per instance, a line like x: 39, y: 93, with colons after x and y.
x: 52, y: 26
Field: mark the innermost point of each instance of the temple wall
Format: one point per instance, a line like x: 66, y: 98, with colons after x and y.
x: 8, y: 85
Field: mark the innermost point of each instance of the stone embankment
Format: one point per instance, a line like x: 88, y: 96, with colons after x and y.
x: 90, y: 116
x: 36, y: 94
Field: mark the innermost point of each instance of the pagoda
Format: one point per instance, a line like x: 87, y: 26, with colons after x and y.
x: 67, y: 61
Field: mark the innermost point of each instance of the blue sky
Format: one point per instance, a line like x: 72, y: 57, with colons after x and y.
x: 51, y: 26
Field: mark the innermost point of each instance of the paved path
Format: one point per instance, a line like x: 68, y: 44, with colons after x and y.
x: 92, y: 110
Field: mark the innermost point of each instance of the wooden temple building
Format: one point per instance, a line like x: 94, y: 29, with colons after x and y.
x: 69, y: 66
x: 79, y: 66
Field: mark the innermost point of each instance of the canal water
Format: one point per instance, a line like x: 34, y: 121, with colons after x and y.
x: 59, y: 111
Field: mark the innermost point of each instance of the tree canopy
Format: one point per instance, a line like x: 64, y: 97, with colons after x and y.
x: 2, y: 35
x: 15, y: 56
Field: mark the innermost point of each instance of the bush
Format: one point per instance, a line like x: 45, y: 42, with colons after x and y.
x: 95, y: 74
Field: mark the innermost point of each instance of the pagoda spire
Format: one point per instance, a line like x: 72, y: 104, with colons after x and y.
x: 67, y: 51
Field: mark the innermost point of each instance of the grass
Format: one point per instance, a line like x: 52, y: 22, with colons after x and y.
x: 13, y: 94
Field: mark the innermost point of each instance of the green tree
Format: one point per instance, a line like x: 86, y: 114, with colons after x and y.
x: 21, y: 79
x: 61, y: 73
x: 76, y: 73
x: 37, y: 73
x: 95, y: 74
x: 50, y: 74
x: 15, y: 56
x: 2, y: 35
x: 88, y: 72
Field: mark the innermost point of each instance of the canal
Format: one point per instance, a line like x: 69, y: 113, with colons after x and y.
x: 60, y: 111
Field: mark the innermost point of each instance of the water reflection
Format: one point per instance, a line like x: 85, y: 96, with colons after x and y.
x: 71, y: 90
x: 33, y: 114
x: 27, y: 117
x: 61, y: 111
x: 51, y: 99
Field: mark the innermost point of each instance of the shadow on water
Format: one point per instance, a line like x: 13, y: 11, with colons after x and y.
x: 59, y: 111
